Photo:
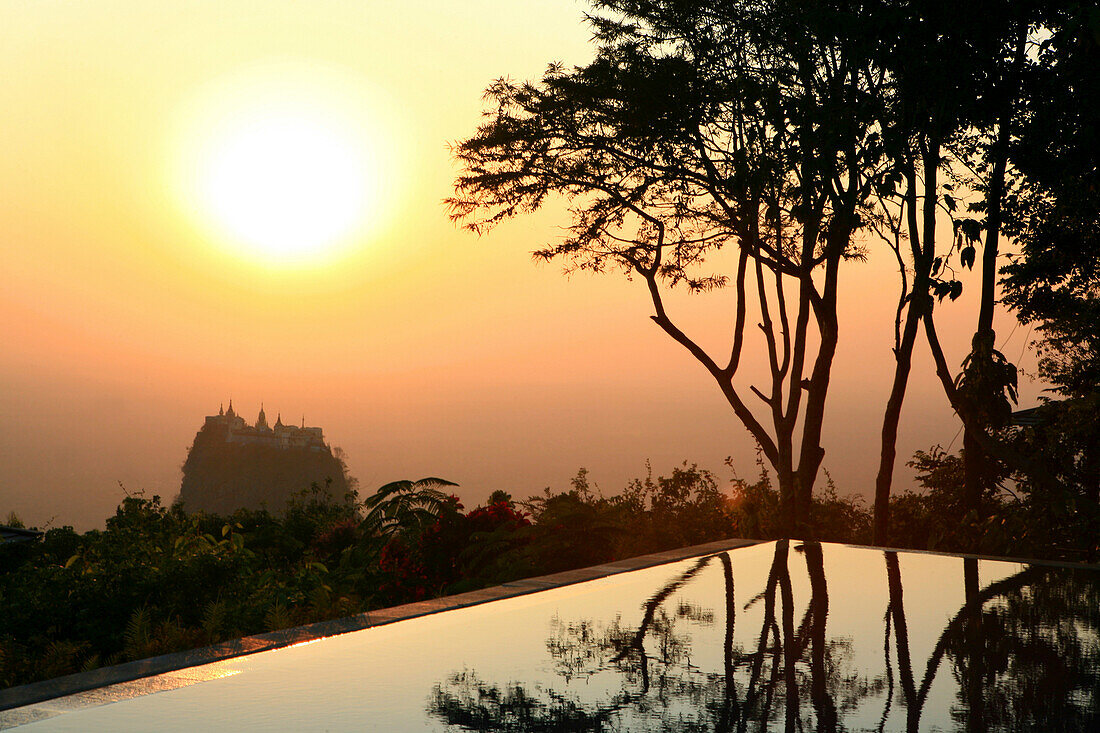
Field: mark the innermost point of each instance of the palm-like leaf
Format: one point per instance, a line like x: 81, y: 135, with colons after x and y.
x: 405, y: 505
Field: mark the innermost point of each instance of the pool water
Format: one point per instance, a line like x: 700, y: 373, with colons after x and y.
x: 778, y: 636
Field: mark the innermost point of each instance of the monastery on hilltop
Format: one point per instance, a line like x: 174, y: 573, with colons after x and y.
x: 233, y: 465
x: 279, y: 436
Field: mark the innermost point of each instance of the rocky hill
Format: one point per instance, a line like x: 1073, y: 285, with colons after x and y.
x: 221, y: 476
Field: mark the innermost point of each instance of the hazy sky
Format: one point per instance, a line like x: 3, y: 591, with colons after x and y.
x: 131, y: 306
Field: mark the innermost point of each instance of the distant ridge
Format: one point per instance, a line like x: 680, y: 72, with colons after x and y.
x: 233, y: 465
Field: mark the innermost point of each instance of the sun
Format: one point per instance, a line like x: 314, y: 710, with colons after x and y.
x: 281, y: 168
x: 288, y: 184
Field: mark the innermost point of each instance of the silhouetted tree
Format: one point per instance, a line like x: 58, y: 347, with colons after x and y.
x: 1054, y: 283
x: 1028, y: 152
x: 968, y: 101
x: 700, y: 126
x: 937, y: 65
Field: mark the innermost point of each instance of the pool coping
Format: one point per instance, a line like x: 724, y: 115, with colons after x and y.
x: 118, y: 674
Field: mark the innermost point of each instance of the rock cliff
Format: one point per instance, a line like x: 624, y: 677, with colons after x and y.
x: 221, y: 476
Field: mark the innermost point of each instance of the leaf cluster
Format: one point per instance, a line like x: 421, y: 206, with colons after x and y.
x: 695, y: 125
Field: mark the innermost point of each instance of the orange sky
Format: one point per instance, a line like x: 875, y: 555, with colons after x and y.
x: 420, y: 349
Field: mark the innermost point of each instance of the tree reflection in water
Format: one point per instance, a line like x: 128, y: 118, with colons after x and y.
x: 1029, y: 658
x: 1023, y: 654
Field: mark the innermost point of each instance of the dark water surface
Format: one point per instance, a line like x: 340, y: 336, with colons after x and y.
x: 781, y: 636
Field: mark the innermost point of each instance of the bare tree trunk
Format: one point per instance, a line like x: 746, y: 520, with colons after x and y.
x: 923, y: 249
x: 888, y: 452
x: 811, y: 453
x: 903, y: 355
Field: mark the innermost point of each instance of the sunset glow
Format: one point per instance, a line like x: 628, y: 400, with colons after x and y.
x: 286, y: 186
x: 206, y: 200
x: 281, y: 164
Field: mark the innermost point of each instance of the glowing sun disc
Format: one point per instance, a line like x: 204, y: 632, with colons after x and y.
x: 281, y: 163
x: 285, y: 184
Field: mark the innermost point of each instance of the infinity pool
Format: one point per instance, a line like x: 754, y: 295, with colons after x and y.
x: 777, y: 636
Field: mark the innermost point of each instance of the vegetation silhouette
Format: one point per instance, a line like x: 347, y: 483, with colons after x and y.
x: 792, y: 135
x: 698, y: 127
